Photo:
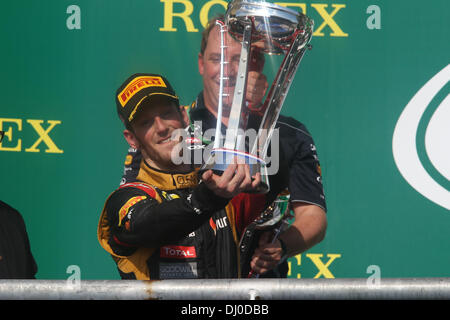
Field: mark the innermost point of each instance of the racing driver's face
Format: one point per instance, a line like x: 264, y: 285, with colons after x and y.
x: 153, y: 128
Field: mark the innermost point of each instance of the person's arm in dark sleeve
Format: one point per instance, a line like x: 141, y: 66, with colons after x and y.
x: 30, y: 264
x: 307, y: 202
x: 137, y: 222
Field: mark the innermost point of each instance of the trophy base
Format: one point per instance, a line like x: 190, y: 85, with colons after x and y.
x: 221, y: 158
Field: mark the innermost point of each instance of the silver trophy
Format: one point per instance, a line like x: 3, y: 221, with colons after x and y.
x: 273, y: 30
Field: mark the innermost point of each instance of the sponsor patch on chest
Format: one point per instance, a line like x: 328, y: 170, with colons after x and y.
x: 178, y: 252
x: 179, y: 270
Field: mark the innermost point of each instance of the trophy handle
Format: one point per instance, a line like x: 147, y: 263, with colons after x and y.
x: 278, y: 91
x: 223, y: 29
x: 232, y: 140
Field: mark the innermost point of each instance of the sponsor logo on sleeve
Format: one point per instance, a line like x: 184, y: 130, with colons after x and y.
x: 126, y: 207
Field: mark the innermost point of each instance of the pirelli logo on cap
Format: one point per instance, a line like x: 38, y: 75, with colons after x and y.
x: 137, y: 85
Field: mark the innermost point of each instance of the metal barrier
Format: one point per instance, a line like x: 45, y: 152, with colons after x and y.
x: 236, y: 289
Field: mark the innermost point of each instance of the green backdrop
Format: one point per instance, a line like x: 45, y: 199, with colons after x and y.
x: 61, y: 62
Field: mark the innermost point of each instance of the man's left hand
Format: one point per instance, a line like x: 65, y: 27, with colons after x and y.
x: 268, y: 255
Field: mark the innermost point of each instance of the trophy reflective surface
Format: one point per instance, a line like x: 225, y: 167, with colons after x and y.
x: 261, y: 28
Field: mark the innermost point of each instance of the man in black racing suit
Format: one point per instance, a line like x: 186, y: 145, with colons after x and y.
x: 166, y: 224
